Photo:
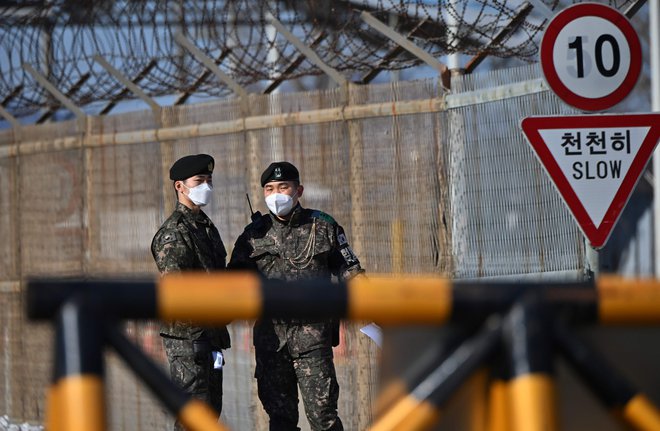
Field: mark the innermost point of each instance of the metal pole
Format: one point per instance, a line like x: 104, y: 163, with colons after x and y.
x: 453, y: 59
x: 591, y: 257
x: 418, y: 370
x: 43, y: 81
x: 155, y: 107
x: 498, y: 412
x: 528, y: 346
x: 403, y: 42
x: 216, y: 298
x: 654, y: 42
x: 420, y: 409
x: 10, y: 118
x: 312, y: 56
x: 76, y: 398
x: 193, y: 413
x: 210, y: 64
x: 393, y: 21
x: 613, y: 390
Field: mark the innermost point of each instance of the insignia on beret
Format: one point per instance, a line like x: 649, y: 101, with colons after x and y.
x: 280, y: 171
x: 189, y: 166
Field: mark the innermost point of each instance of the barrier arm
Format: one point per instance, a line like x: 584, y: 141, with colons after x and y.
x: 528, y: 350
x: 216, y: 298
x: 194, y: 414
x: 628, y: 300
x: 498, y: 416
x: 76, y: 399
x: 609, y: 386
x: 221, y: 297
x: 420, y: 409
x: 428, y: 360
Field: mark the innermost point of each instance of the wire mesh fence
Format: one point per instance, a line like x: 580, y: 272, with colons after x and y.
x: 453, y: 191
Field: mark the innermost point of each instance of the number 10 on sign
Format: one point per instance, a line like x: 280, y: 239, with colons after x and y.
x: 591, y: 56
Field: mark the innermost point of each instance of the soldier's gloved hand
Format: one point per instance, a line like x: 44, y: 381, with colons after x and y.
x: 202, y: 351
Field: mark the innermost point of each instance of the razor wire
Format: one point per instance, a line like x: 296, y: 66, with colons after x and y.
x: 61, y: 38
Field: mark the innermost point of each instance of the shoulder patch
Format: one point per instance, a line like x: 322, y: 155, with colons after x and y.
x: 168, y: 237
x: 323, y: 216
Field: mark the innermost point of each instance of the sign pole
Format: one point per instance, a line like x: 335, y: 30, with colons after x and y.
x: 591, y: 260
x: 654, y: 21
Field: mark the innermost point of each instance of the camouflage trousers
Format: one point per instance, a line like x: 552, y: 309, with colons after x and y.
x: 278, y: 377
x: 200, y: 381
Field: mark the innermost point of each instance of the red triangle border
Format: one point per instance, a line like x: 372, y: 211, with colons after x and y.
x: 597, y: 235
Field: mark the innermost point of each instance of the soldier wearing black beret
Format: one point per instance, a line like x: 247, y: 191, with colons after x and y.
x: 295, y: 243
x: 189, y: 241
x: 280, y: 171
x: 189, y: 166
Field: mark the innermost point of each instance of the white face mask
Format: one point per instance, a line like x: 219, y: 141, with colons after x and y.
x: 201, y: 194
x: 280, y: 204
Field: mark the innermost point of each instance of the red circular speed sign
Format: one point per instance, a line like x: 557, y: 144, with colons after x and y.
x: 591, y: 56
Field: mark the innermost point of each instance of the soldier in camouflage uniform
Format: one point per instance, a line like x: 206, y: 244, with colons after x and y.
x: 294, y: 243
x: 188, y: 240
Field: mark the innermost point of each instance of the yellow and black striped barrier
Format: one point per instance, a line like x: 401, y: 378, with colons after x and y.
x: 528, y: 358
x: 517, y: 319
x: 221, y: 297
x: 75, y: 398
x: 610, y: 387
x: 421, y: 407
x: 192, y: 413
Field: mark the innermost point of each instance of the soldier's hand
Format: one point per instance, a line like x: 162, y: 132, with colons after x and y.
x: 202, y: 351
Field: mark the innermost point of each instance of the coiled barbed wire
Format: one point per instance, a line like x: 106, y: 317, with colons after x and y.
x: 61, y: 37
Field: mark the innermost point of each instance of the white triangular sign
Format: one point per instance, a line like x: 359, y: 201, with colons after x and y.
x: 595, y: 162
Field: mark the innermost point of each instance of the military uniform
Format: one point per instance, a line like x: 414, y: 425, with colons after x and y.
x: 187, y: 241
x: 309, y: 245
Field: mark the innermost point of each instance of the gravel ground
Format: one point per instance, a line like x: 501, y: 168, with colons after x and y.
x: 8, y: 425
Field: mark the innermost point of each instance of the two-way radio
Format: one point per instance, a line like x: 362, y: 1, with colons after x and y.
x: 253, y: 215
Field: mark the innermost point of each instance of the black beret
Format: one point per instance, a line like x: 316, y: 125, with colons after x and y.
x: 280, y: 171
x: 189, y: 166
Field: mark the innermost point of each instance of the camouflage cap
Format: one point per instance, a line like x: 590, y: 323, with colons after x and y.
x: 189, y: 166
x: 280, y: 171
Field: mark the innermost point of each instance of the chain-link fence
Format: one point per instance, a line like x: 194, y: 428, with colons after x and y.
x: 422, y: 181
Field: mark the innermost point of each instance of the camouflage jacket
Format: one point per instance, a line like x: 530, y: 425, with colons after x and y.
x: 309, y: 245
x: 189, y: 241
